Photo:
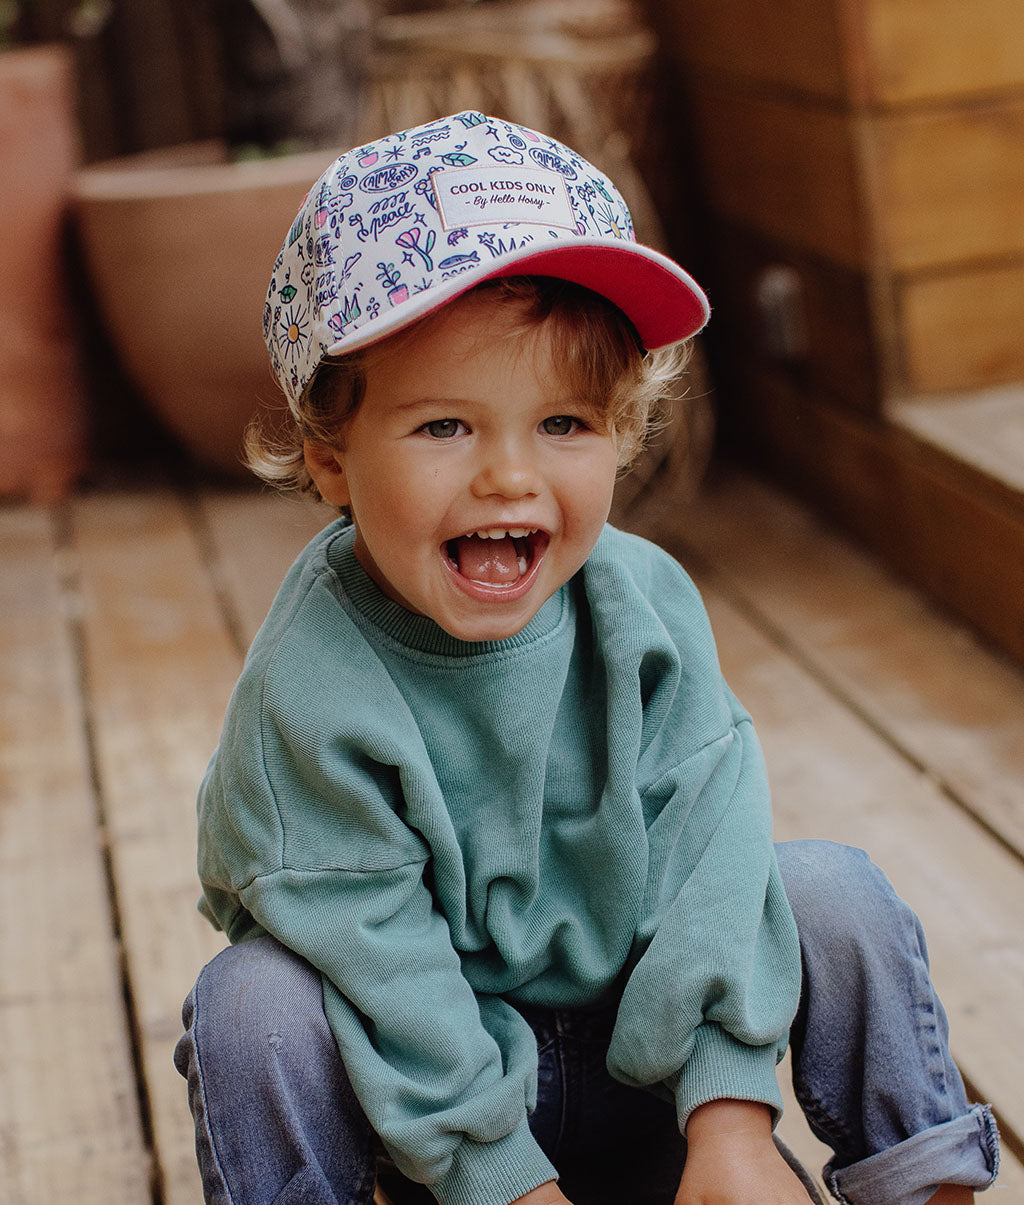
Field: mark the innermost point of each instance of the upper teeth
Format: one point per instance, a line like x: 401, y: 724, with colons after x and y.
x: 499, y: 533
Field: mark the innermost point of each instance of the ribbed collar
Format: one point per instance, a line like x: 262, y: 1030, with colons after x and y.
x: 419, y: 632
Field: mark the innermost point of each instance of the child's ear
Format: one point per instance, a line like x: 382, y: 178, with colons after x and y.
x: 326, y: 467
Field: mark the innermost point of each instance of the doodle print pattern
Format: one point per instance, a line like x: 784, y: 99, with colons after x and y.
x: 371, y: 233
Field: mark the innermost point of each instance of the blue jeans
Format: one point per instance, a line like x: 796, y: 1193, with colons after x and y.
x: 277, y: 1122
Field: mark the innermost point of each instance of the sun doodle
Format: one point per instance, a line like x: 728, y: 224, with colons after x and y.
x: 293, y: 330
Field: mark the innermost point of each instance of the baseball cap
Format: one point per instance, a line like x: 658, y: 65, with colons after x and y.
x: 395, y: 229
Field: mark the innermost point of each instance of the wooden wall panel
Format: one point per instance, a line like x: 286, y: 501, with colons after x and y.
x: 783, y: 168
x: 950, y: 184
x: 929, y: 49
x: 911, y: 191
x: 795, y: 43
x: 874, y: 150
x: 862, y: 52
x: 924, y: 207
x: 964, y: 330
x: 833, y: 314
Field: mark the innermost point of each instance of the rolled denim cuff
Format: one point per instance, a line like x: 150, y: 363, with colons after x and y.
x: 962, y: 1151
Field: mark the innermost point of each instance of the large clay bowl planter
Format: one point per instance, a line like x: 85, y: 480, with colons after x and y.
x: 41, y: 393
x: 180, y: 245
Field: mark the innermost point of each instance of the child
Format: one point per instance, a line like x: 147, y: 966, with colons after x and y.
x: 488, y: 832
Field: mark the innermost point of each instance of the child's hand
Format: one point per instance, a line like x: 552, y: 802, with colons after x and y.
x: 731, y: 1159
x: 547, y: 1194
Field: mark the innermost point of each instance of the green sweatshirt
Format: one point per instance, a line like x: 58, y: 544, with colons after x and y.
x: 574, y: 816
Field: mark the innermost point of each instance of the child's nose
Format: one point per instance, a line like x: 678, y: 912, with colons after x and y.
x: 508, y: 471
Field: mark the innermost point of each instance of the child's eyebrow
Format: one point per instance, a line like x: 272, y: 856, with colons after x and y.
x: 563, y: 404
x: 428, y: 403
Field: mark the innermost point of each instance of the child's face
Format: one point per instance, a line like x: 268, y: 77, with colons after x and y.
x: 467, y: 429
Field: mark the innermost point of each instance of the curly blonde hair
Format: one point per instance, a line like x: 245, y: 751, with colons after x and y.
x: 593, y: 342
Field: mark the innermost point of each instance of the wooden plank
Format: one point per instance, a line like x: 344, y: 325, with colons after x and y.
x: 833, y: 777
x: 69, y: 1119
x: 790, y: 168
x: 952, y: 532
x: 793, y: 43
x: 983, y: 428
x: 924, y: 49
x: 950, y: 183
x: 161, y: 666
x: 954, y: 329
x: 954, y: 707
x: 962, y: 329
x: 784, y: 167
x: 868, y: 52
x: 255, y: 536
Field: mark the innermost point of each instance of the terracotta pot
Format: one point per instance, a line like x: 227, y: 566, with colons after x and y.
x: 41, y: 393
x: 180, y: 246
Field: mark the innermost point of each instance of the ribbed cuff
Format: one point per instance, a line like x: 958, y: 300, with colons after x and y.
x: 722, y: 1068
x: 494, y: 1171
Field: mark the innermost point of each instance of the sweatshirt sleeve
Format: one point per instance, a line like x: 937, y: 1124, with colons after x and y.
x: 706, y: 1010
x: 448, y: 1097
x: 306, y: 833
x: 713, y: 981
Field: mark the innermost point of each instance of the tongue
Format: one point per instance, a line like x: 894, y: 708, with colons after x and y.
x: 495, y: 562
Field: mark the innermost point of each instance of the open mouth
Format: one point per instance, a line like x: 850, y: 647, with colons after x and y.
x: 497, y: 558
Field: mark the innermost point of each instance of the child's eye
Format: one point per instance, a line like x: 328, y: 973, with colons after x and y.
x: 443, y: 428
x: 560, y: 424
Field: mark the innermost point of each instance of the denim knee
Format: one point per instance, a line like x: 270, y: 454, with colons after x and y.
x: 847, y: 912
x: 276, y: 1118
x: 833, y: 887
x: 257, y: 992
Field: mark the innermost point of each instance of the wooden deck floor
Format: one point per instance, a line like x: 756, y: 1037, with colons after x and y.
x: 125, y: 614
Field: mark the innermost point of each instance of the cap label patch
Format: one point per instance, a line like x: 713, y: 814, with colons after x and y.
x: 490, y: 196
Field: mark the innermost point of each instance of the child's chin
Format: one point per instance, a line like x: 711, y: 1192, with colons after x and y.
x: 489, y: 625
